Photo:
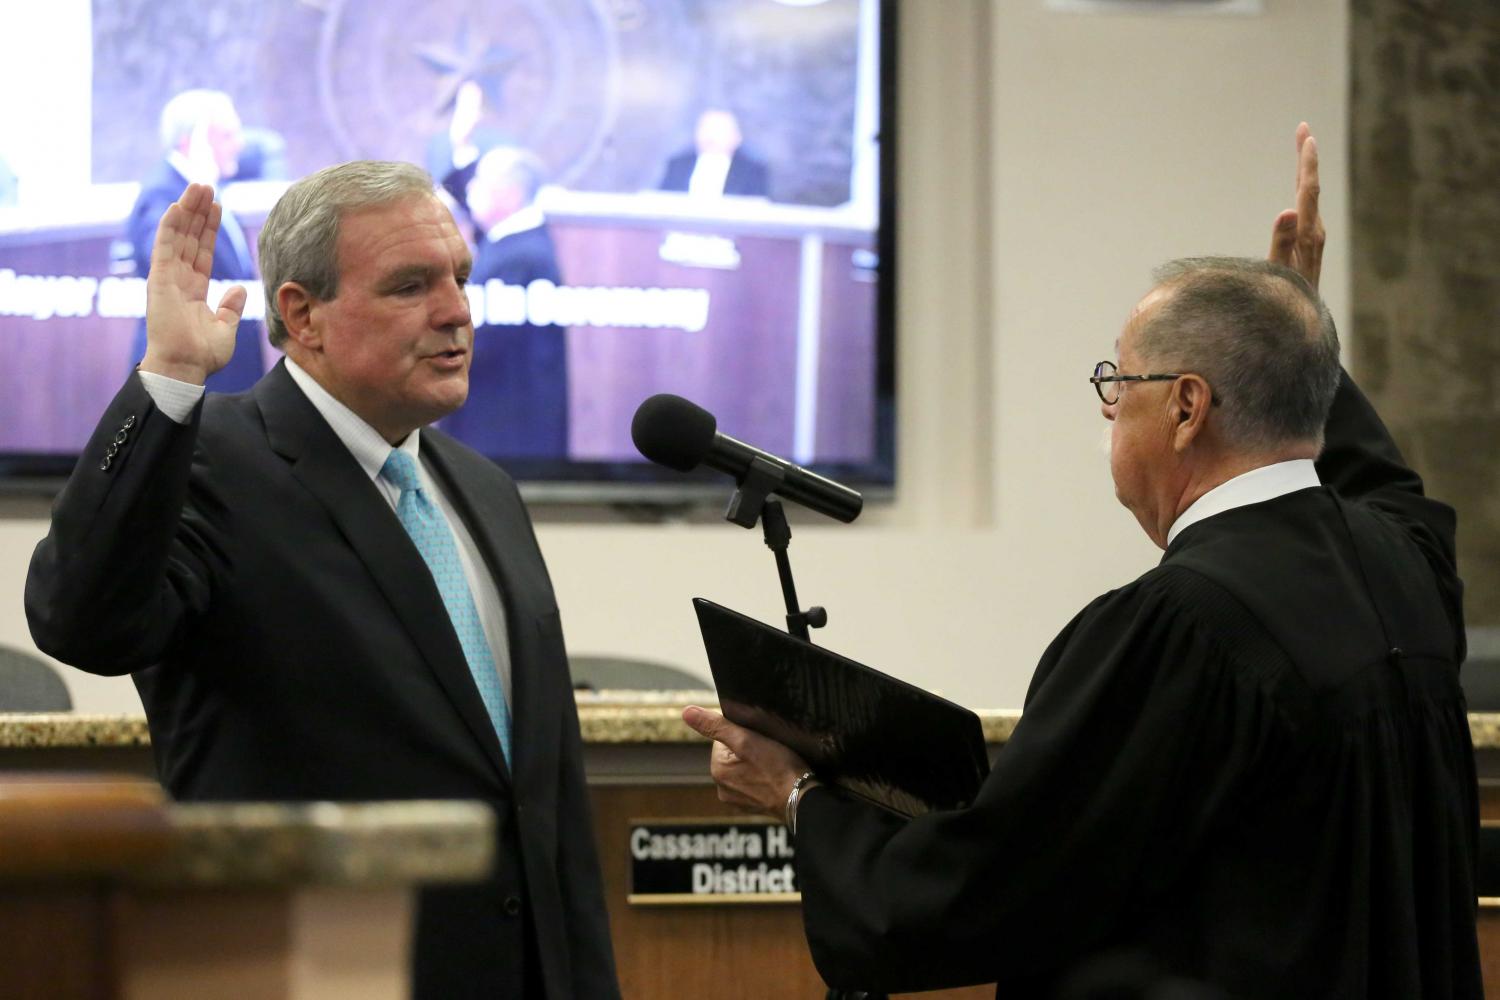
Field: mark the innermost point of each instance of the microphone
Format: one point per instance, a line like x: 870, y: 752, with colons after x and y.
x: 682, y: 435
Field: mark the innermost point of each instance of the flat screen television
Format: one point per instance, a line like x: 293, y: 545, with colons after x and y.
x: 757, y: 282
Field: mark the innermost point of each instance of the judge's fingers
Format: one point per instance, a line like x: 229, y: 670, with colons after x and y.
x: 701, y: 720
x: 715, y: 727
x: 744, y: 784
x: 730, y: 795
x: 723, y: 765
x: 1284, y: 238
x: 1310, y: 233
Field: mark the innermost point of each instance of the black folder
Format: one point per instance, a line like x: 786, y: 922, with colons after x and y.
x: 878, y: 737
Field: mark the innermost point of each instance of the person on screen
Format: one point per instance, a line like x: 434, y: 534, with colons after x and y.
x: 202, y: 139
x: 321, y: 597
x: 453, y: 154
x: 518, y: 383
x: 717, y: 164
x: 1252, y: 765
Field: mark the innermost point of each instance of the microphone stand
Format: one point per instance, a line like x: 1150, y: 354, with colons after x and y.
x: 751, y: 502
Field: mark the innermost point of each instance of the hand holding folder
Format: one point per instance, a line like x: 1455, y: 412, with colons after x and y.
x: 871, y: 734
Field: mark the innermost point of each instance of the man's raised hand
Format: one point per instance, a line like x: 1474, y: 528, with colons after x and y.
x: 185, y: 339
x: 1297, y: 235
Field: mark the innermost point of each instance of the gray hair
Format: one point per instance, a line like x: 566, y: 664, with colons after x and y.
x: 299, y: 241
x: 181, y: 114
x: 1262, y: 338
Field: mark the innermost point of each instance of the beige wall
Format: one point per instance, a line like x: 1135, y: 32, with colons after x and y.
x: 1048, y: 161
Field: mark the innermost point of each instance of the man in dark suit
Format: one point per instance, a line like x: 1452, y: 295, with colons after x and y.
x: 202, y: 140
x: 1249, y: 769
x: 717, y: 164
x: 321, y: 597
x: 518, y: 384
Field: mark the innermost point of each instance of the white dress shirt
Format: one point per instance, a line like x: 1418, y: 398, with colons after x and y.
x: 710, y: 173
x: 519, y: 221
x: 176, y: 399
x: 1256, y: 486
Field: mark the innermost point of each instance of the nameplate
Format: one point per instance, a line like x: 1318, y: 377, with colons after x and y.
x: 676, y: 862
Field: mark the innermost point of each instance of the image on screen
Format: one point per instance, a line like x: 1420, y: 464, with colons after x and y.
x: 684, y: 196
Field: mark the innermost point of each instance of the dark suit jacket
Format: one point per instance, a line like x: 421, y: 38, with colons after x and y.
x: 289, y: 644
x: 518, y: 383
x: 747, y: 175
x: 230, y: 264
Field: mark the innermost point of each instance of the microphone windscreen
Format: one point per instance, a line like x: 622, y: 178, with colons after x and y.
x: 674, y: 432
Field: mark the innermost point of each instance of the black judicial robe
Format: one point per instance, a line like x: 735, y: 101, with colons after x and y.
x: 1249, y: 769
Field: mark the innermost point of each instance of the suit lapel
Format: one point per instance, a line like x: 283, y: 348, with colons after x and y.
x: 321, y: 463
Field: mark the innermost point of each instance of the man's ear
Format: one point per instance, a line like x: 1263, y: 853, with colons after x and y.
x: 1191, y: 400
x: 298, y: 308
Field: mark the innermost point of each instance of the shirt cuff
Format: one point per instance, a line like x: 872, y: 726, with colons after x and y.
x: 175, y: 399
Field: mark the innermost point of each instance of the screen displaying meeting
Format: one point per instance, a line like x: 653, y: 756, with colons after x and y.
x: 677, y: 196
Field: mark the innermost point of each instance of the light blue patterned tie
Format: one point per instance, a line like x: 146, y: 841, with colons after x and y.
x: 434, y: 540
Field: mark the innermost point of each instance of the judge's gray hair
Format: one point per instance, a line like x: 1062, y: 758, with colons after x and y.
x: 1262, y: 338
x: 299, y: 241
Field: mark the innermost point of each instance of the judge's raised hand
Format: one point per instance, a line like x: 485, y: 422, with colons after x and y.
x: 1297, y: 235
x: 185, y: 339
x: 752, y: 771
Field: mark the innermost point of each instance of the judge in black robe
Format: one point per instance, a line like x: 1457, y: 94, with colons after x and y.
x: 1222, y: 767
x: 1248, y: 770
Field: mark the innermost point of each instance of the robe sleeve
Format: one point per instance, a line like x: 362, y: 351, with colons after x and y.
x: 1361, y: 462
x: 1138, y: 737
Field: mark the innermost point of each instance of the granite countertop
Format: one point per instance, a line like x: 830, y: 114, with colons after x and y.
x: 67, y: 827
x: 606, y: 717
x: 624, y: 717
x: 365, y: 844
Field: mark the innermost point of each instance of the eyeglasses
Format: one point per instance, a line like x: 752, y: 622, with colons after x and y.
x: 1108, y: 381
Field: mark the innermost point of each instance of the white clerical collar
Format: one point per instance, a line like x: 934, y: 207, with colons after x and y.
x: 1256, y: 486
x: 519, y: 221
x: 364, y: 442
x: 193, y: 173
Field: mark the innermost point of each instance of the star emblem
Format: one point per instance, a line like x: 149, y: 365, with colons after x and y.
x: 471, y: 56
